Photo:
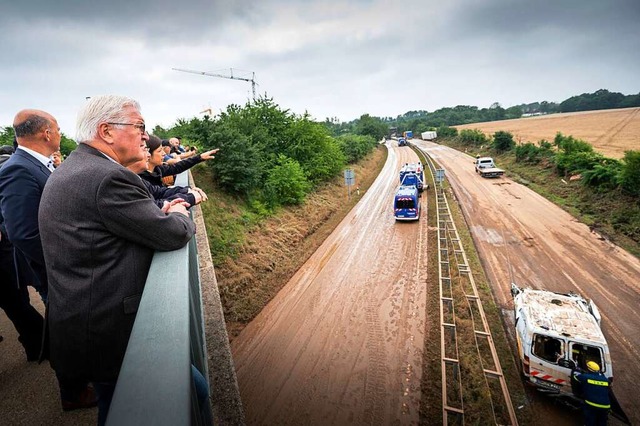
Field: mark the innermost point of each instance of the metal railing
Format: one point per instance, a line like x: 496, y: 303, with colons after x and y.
x: 155, y: 385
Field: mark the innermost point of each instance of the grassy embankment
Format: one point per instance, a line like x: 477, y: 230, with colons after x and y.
x: 256, y: 256
x: 614, y: 215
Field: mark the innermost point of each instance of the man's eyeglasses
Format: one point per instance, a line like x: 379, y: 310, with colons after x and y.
x: 139, y: 126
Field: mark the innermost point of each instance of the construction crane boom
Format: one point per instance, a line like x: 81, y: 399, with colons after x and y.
x: 252, y: 79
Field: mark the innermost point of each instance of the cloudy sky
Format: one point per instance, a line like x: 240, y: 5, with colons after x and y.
x: 331, y: 58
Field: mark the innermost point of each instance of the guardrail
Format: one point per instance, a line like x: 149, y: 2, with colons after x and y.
x: 155, y: 385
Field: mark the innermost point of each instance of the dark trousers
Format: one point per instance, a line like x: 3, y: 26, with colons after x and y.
x: 105, y: 395
x: 15, y: 303
x: 595, y: 416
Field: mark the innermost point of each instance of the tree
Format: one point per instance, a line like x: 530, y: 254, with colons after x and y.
x: 371, y: 126
x: 503, y: 141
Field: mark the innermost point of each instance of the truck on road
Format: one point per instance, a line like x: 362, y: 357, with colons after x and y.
x: 402, y: 142
x: 412, y: 174
x: 485, y: 167
x: 429, y: 136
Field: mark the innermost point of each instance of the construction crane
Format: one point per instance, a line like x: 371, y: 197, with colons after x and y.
x: 230, y: 76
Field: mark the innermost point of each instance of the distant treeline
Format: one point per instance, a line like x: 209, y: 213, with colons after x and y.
x: 421, y: 121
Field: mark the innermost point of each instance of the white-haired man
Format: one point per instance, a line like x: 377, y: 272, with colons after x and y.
x: 99, y: 231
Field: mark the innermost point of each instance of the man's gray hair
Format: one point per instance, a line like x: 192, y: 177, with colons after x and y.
x: 101, y: 109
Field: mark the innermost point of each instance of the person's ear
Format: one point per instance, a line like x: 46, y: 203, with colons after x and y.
x: 105, y: 132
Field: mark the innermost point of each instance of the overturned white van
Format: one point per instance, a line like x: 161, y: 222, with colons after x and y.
x: 556, y: 333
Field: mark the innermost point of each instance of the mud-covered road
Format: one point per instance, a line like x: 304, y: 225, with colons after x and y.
x: 342, y: 341
x: 523, y: 238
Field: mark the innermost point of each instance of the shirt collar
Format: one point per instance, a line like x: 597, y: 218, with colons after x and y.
x: 41, y: 158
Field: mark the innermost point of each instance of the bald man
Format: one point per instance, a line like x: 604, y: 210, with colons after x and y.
x: 22, y: 180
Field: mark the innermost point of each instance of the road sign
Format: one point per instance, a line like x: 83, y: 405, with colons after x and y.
x: 349, y: 177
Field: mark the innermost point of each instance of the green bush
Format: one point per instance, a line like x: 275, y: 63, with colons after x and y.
x: 604, y: 176
x: 630, y: 174
x: 503, y: 141
x: 577, y: 162
x: 355, y: 147
x: 286, y: 183
x: 473, y: 137
x: 533, y: 154
x: 447, y: 132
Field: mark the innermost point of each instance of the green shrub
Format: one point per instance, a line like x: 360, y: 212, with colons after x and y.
x: 447, y: 132
x: 473, y: 137
x: 286, y: 183
x: 630, y: 174
x: 503, y: 141
x: 355, y: 147
x: 604, y: 176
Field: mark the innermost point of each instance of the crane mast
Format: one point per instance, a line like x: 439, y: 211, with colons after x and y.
x: 230, y: 76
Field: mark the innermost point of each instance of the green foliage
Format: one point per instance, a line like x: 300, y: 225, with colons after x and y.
x: 577, y: 162
x: 310, y: 145
x: 238, y: 166
x: 600, y: 99
x: 355, y: 147
x: 67, y: 145
x: 6, y: 135
x: 603, y: 176
x: 286, y: 183
x: 574, y: 155
x: 533, y: 154
x: 371, y: 126
x: 473, y: 137
x: 503, y: 141
x: 513, y: 112
x: 630, y: 174
x: 445, y: 131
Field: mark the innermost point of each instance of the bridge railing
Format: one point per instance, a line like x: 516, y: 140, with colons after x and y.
x: 169, y: 336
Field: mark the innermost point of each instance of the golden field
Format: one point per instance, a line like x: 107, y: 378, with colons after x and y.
x: 611, y: 131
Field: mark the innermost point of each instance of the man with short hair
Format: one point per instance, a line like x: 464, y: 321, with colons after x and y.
x: 22, y: 180
x: 100, y: 229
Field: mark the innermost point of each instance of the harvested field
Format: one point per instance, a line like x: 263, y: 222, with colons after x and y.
x: 611, y: 132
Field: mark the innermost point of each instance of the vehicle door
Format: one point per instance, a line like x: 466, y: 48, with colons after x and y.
x: 547, y: 361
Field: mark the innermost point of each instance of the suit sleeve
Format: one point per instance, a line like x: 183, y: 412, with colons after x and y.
x: 20, y: 194
x: 161, y: 194
x: 128, y: 211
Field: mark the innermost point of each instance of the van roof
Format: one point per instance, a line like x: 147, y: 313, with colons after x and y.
x: 564, y: 315
x: 485, y: 159
x: 407, y: 190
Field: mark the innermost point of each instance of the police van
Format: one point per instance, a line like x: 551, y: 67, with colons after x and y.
x: 406, y: 203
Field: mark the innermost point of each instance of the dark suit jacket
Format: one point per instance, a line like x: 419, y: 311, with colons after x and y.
x: 99, y: 230
x: 22, y: 179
